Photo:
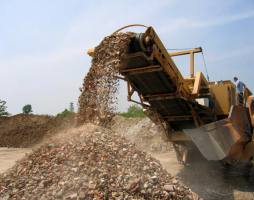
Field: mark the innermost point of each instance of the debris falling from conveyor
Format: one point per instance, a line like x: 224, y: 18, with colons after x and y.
x: 98, y: 95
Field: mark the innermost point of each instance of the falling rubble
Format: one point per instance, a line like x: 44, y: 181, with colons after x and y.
x: 98, y: 95
x: 95, y: 164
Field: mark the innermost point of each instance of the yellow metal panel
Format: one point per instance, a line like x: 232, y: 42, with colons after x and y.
x: 250, y: 103
x: 199, y: 80
x: 224, y: 93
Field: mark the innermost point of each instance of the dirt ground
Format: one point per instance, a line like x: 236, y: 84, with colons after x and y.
x: 9, y: 156
x: 210, y: 180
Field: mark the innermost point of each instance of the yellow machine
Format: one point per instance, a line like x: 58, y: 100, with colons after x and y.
x: 192, y: 109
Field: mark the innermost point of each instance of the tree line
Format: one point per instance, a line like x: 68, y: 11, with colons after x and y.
x: 133, y: 110
x: 27, y: 109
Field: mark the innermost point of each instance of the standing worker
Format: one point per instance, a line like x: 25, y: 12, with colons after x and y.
x: 240, y: 87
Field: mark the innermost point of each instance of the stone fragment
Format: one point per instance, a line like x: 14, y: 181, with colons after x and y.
x: 169, y: 188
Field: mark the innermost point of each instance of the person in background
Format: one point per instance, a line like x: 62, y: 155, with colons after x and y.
x: 240, y: 87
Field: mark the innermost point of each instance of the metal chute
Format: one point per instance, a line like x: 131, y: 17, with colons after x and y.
x: 224, y: 139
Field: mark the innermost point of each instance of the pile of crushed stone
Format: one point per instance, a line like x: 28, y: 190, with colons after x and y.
x: 95, y: 164
x: 98, y: 94
x: 27, y: 130
x: 146, y: 135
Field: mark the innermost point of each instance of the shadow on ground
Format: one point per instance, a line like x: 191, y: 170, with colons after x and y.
x: 212, y: 180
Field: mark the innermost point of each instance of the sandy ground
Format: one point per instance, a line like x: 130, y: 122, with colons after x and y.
x: 9, y: 156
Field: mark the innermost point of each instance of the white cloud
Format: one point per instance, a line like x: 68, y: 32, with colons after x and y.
x: 186, y: 23
x: 224, y: 20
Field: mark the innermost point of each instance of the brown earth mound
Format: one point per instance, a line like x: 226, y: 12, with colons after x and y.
x: 26, y: 130
x: 93, y: 163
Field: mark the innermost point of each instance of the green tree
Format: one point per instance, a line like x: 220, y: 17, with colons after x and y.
x: 3, y: 108
x: 27, y: 109
x: 65, y: 113
x: 134, y: 111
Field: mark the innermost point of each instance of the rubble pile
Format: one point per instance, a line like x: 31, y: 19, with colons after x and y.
x: 95, y: 164
x: 147, y: 135
x: 98, y: 95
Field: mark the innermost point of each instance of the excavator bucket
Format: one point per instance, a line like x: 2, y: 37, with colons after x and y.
x: 223, y: 139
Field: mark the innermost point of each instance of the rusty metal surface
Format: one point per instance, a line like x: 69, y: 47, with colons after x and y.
x: 239, y: 117
x: 151, y: 83
x: 135, y: 60
x: 141, y: 70
x: 171, y: 107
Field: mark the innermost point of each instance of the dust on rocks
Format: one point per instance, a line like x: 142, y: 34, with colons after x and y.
x: 147, y: 135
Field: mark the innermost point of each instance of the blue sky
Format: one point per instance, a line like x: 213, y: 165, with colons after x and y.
x: 43, y: 43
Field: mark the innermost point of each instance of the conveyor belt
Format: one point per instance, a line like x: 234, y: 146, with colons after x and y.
x: 156, y: 86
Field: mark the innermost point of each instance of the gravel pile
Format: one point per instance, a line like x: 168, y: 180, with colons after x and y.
x: 95, y: 164
x: 98, y: 94
x: 146, y: 135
